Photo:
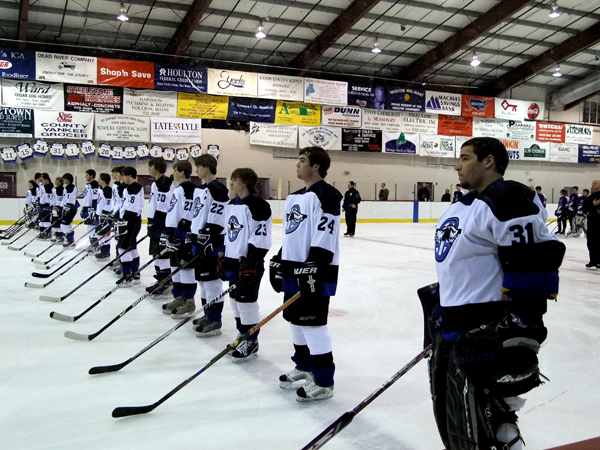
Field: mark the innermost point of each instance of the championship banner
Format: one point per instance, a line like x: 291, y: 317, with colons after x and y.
x: 25, y: 152
x: 16, y: 122
x: 32, y: 94
x: 9, y: 155
x: 340, y: 116
x: 534, y: 110
x: 231, y: 82
x: 489, y: 128
x: 437, y: 146
x: 550, y: 132
x: 443, y: 103
x: 19, y: 64
x: 175, y: 77
x: 564, y: 153
x: 104, y: 151
x: 273, y: 135
x: 578, y: 134
x: 121, y: 127
x: 281, y: 87
x: 64, y: 125
x: 367, y: 95
x: 359, y: 140
x: 66, y: 68
x: 420, y: 123
x: 251, y: 109
x: 202, y: 106
x: 88, y: 149
x: 455, y: 126
x: 402, y: 143
x: 410, y: 100
x: 105, y: 100
x: 57, y: 151
x: 298, y: 113
x: 40, y: 148
x: 143, y: 152
x: 476, y: 106
x: 379, y: 119
x: 145, y: 102
x: 589, y: 154
x: 176, y: 130
x: 325, y: 91
x: 328, y: 138
x: 125, y: 73
x: 509, y: 109
x: 534, y: 151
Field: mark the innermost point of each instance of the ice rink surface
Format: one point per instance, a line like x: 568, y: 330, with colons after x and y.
x: 48, y: 400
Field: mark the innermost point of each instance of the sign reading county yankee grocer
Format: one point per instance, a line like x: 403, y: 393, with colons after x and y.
x: 64, y: 125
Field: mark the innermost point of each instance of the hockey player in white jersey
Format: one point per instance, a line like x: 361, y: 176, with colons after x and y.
x: 57, y: 202
x: 488, y: 325
x: 308, y: 262
x: 118, y: 187
x: 46, y: 203
x: 31, y: 204
x: 102, y: 213
x: 90, y: 199
x: 206, y: 236
x: 248, y: 223
x: 69, y: 209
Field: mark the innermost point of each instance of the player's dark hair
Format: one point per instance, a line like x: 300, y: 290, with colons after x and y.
x: 105, y: 177
x: 538, y: 188
x: 487, y: 146
x: 207, y: 161
x: 91, y: 173
x: 45, y: 176
x: 37, y: 175
x: 575, y: 188
x: 68, y: 176
x: 246, y: 176
x: 352, y: 183
x: 33, y: 184
x: 130, y: 172
x: 316, y: 155
x: 586, y: 190
x: 118, y: 169
x: 59, y: 181
x: 563, y: 191
x: 159, y: 164
x: 183, y: 166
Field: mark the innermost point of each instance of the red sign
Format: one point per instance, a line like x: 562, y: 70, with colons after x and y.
x: 550, y: 132
x: 120, y: 72
x: 475, y: 106
x: 533, y: 111
x: 455, y: 126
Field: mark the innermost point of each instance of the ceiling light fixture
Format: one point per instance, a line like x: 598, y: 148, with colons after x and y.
x: 555, y: 12
x: 557, y: 72
x: 123, y: 14
x: 476, y: 61
x: 376, y: 48
x: 260, y: 31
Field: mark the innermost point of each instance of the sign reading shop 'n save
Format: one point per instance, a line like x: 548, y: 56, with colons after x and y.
x: 120, y: 72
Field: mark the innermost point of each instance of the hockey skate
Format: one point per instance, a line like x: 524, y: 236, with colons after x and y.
x: 129, y: 280
x: 101, y: 255
x: 184, y: 309
x: 157, y: 290
x: 56, y: 239
x: 168, y: 308
x: 286, y: 381
x: 204, y: 327
x: 590, y: 266
x: 311, y: 391
x: 245, y: 351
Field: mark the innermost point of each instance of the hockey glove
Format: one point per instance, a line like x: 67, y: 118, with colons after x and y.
x: 307, y: 276
x: 121, y: 228
x: 153, y: 228
x: 276, y: 273
x: 170, y: 243
x: 84, y: 213
x: 247, y: 277
x: 56, y: 212
x: 221, y: 271
x: 105, y: 224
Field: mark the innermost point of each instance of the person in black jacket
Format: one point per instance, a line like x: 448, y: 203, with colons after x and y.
x: 591, y: 207
x: 350, y: 207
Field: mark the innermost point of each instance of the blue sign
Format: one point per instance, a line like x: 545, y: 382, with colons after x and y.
x: 589, y: 154
x: 251, y: 109
x: 175, y: 77
x: 401, y: 99
x: 19, y: 64
x: 367, y: 95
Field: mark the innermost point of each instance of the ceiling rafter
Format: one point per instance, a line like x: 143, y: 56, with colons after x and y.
x: 192, y: 18
x: 23, y: 22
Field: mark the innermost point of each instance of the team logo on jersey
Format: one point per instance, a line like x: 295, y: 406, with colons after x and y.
x: 172, y: 204
x: 293, y: 219
x: 445, y: 237
x: 198, y: 205
x: 233, y: 228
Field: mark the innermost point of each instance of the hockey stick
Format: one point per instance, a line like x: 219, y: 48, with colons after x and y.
x: 45, y: 298
x: 40, y: 233
x: 89, y: 337
x: 123, y: 411
x: 11, y: 231
x: 344, y: 420
x: 32, y: 256
x: 74, y: 248
x: 16, y: 225
x: 16, y: 239
x: 116, y: 367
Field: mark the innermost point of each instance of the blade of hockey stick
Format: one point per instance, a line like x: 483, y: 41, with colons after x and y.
x: 78, y: 336
x: 34, y: 286
x: 344, y: 420
x: 61, y: 317
x: 116, y: 367
x: 123, y: 411
x: 32, y: 256
x: 52, y: 280
x: 46, y: 298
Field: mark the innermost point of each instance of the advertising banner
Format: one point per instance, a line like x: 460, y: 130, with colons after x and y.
x: 578, y: 134
x: 459, y: 141
x: 367, y: 95
x: 175, y: 77
x: 550, y: 132
x: 476, y: 106
x: 401, y: 99
x: 420, y: 123
x: 16, y: 122
x: 341, y: 116
x: 19, y: 64
x: 490, y: 128
x: 534, y: 151
x: 105, y: 100
x: 455, y: 126
x: 437, y: 146
x: 358, y: 140
x: 32, y: 94
x: 298, y: 113
x: 443, y: 103
x: 251, y: 109
x: 64, y: 125
x: 325, y: 91
x: 520, y: 131
x: 274, y: 135
x: 280, y: 87
x: 534, y: 110
x: 589, y: 154
x: 202, y: 106
x: 380, y: 119
x: 145, y: 102
x: 231, y: 82
x: 328, y: 138
x: 401, y: 143
x: 121, y: 72
x: 509, y: 109
x: 564, y: 153
x: 176, y: 130
x: 66, y: 68
x: 122, y: 127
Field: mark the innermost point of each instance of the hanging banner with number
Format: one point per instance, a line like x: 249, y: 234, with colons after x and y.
x: 116, y: 153
x: 156, y: 151
x: 129, y: 153
x: 104, y: 151
x: 25, y: 152
x: 182, y: 154
x: 195, y: 151
x: 72, y: 151
x: 9, y: 155
x: 57, y: 150
x: 143, y: 152
x: 169, y: 154
x: 88, y: 149
x: 40, y: 148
